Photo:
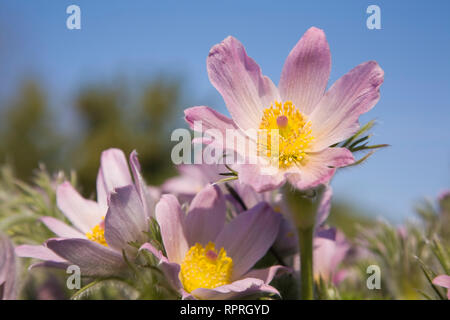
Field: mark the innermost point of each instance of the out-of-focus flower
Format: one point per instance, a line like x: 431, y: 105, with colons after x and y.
x: 208, y: 258
x: 308, y: 119
x: 191, y: 179
x: 8, y: 281
x: 101, y: 229
x: 330, y: 249
x: 443, y: 281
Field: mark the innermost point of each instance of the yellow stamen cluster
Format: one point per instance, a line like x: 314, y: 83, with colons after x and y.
x: 97, y: 234
x: 293, y: 131
x: 204, y: 267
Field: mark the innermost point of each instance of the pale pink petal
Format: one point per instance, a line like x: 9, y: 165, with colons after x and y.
x: 220, y: 133
x: 235, y: 290
x: 328, y: 253
x: 38, y: 252
x: 251, y: 174
x: 192, y: 179
x: 147, y: 199
x: 206, y: 216
x: 306, y: 71
x: 335, y: 118
x: 183, y: 186
x: 443, y: 281
x: 49, y: 264
x: 320, y: 167
x: 126, y: 220
x: 323, y: 253
x: 93, y: 259
x: 248, y: 237
x: 84, y: 214
x: 61, y: 229
x: 113, y: 173
x: 171, y: 219
x: 240, y: 81
x: 202, y: 172
x: 154, y: 192
x: 210, y: 119
x: 267, y: 274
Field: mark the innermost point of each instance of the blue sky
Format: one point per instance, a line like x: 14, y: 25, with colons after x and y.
x: 139, y: 38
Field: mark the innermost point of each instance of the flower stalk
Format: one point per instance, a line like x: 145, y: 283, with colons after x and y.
x: 305, y: 237
x: 305, y: 204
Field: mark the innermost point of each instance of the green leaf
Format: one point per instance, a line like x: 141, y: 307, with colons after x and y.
x: 363, y: 129
x: 366, y: 147
x: 226, y: 180
x: 362, y: 159
x: 357, y: 142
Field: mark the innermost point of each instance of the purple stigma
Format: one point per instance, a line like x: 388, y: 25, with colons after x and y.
x: 282, y: 121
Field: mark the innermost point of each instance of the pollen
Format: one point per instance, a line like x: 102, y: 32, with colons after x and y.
x: 97, y: 234
x: 205, y: 267
x: 284, y: 135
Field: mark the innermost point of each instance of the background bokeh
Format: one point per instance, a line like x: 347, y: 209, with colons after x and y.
x: 125, y: 77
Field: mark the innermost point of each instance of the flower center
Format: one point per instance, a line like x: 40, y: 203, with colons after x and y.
x: 97, y: 234
x: 204, y: 267
x: 283, y: 121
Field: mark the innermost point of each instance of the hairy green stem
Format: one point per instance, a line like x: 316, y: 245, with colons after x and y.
x: 306, y: 263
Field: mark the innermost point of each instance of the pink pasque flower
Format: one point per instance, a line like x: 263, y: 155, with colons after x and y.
x: 191, y: 179
x: 309, y: 119
x: 100, y: 229
x: 208, y: 258
x: 330, y: 249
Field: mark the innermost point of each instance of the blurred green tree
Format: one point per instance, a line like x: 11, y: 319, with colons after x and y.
x: 110, y: 116
x: 27, y: 132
